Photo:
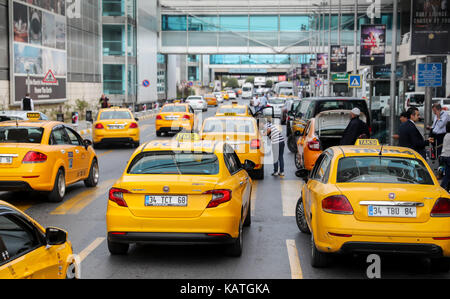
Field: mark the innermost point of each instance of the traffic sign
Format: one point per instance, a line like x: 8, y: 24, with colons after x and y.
x: 355, y: 81
x: 146, y: 83
x: 430, y: 75
x: 318, y: 83
x: 50, y: 78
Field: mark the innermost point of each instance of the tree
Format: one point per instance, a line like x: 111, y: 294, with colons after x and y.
x: 269, y: 83
x: 250, y: 79
x: 232, y: 82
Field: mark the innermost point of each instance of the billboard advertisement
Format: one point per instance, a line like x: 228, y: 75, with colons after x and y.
x: 322, y: 63
x: 430, y: 27
x: 338, y: 59
x: 305, y: 71
x: 312, y: 67
x: 373, y: 45
x: 38, y: 50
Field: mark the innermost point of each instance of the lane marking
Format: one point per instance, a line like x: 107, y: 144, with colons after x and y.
x: 77, y: 203
x: 88, y: 250
x: 291, y: 191
x: 105, y: 153
x: 254, y: 197
x: 294, y: 260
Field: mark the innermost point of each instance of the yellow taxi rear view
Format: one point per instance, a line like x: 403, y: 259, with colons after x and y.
x: 175, y: 118
x: 242, y: 133
x: 45, y: 156
x: 28, y: 251
x: 184, y: 192
x: 377, y: 199
x: 116, y: 125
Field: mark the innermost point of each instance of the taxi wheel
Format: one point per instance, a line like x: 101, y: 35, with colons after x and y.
x: 235, y: 249
x: 258, y: 174
x: 59, y: 189
x: 318, y: 259
x: 94, y: 173
x: 298, y: 162
x: 158, y: 134
x: 300, y: 217
x: 136, y: 144
x: 118, y: 248
x: 248, y: 218
x: 96, y: 145
x: 441, y: 264
x: 291, y: 144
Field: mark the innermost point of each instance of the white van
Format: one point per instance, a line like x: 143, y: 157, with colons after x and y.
x: 247, y: 91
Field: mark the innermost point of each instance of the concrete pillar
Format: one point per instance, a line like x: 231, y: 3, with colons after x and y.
x: 447, y: 87
x: 171, y: 83
x: 419, y: 61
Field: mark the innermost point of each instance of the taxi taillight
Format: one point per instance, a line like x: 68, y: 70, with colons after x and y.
x: 441, y: 208
x: 133, y: 126
x: 187, y: 117
x: 34, y: 157
x: 337, y: 204
x: 314, y: 145
x: 159, y: 117
x: 116, y: 195
x: 255, y: 144
x: 218, y: 197
x: 99, y: 126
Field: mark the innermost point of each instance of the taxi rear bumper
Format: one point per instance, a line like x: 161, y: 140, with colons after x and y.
x: 170, y: 238
x: 15, y: 186
x: 391, y: 248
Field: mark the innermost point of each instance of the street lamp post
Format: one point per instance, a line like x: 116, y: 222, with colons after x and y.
x: 393, y: 92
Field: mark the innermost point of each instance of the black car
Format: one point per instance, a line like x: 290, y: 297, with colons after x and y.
x: 310, y: 107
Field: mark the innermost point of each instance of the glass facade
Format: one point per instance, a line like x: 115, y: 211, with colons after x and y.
x: 113, y: 40
x: 113, y: 8
x: 113, y: 79
x: 258, y: 59
x: 4, y: 43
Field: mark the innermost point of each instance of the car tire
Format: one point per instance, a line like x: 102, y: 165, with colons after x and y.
x: 292, y: 144
x: 136, y: 144
x: 318, y: 258
x: 59, y: 188
x: 118, y: 248
x: 300, y: 217
x: 94, y: 173
x: 235, y: 249
x: 248, y: 218
x: 158, y: 134
x: 258, y: 174
x: 96, y: 145
x: 298, y: 162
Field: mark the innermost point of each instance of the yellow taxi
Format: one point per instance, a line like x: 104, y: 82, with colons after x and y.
x: 233, y: 110
x: 225, y: 95
x: 241, y: 133
x: 184, y: 192
x: 175, y: 118
x: 28, y: 251
x: 45, y: 156
x: 116, y: 125
x: 374, y: 199
x: 211, y: 100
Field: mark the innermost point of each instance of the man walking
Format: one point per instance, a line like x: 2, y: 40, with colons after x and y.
x: 104, y: 102
x: 27, y: 103
x: 355, y: 130
x: 410, y: 136
x: 278, y: 145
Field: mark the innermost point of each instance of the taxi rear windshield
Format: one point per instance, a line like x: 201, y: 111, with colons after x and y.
x: 229, y: 126
x: 232, y: 110
x: 175, y: 163
x: 21, y: 134
x: 389, y: 170
x: 115, y: 115
x: 174, y: 109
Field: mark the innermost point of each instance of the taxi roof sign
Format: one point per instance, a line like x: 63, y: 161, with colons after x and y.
x: 33, y: 116
x: 188, y: 137
x: 363, y: 142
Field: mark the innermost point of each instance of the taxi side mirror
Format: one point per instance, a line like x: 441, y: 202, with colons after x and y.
x: 249, y: 165
x: 55, y: 236
x: 87, y: 143
x: 302, y: 173
x: 136, y: 119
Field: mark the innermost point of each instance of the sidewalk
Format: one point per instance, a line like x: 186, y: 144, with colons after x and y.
x: 84, y: 128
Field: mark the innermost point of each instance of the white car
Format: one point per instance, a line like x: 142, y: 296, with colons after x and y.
x: 219, y: 97
x: 277, y: 104
x: 197, y: 103
x: 445, y: 103
x: 232, y: 95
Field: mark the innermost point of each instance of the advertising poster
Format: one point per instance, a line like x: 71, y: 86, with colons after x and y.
x: 430, y: 32
x: 312, y: 68
x: 373, y: 45
x: 338, y: 59
x: 322, y: 63
x: 38, y: 49
x: 305, y: 71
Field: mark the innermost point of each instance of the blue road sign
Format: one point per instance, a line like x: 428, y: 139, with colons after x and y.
x: 146, y: 83
x: 355, y: 81
x: 430, y: 75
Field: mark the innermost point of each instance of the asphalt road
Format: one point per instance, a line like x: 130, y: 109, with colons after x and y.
x: 273, y: 246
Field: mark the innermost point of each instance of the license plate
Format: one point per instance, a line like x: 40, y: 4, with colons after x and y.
x: 172, y: 117
x: 6, y: 160
x: 116, y: 127
x: 388, y: 211
x: 166, y: 201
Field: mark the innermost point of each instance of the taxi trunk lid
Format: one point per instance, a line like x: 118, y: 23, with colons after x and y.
x: 14, y: 153
x: 192, y: 186
x: 241, y: 143
x: 363, y: 195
